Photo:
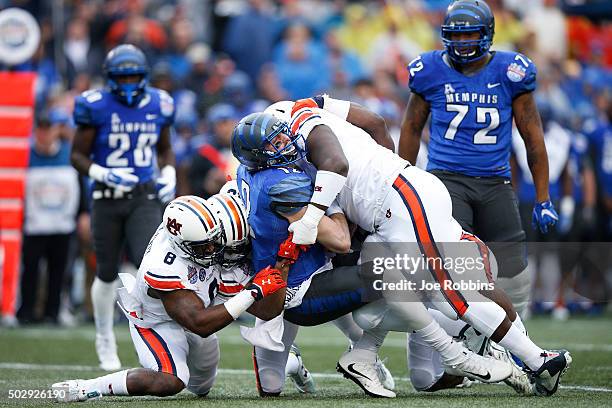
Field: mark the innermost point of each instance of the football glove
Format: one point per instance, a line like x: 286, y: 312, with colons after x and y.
x: 266, y: 282
x: 290, y: 251
x: 544, y: 215
x: 119, y: 178
x: 166, y: 184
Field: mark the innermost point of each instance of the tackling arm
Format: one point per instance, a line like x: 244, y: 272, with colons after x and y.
x: 413, y: 122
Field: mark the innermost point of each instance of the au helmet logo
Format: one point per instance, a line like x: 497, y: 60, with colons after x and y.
x: 173, y: 227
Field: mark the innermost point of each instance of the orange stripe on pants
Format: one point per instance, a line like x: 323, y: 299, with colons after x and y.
x: 427, y: 244
x: 161, y: 353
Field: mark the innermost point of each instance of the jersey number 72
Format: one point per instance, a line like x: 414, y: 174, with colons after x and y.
x: 483, y: 115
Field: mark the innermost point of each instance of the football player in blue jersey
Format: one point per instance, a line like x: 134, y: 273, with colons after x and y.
x: 278, y: 187
x: 122, y: 143
x: 472, y: 95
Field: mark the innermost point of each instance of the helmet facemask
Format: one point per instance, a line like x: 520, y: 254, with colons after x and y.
x: 287, y: 154
x: 464, y: 51
x: 205, y: 252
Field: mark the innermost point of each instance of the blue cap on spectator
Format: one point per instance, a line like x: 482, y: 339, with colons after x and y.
x: 221, y: 111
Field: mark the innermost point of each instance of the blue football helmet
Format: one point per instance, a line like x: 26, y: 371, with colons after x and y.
x: 254, y: 132
x: 468, y: 16
x: 124, y: 60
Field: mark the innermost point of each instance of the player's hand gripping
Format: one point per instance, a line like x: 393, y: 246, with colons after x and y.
x: 266, y: 282
x: 120, y: 178
x: 166, y: 184
x: 544, y: 215
x: 289, y: 251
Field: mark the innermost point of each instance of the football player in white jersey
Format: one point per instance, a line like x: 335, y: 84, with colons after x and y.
x: 396, y: 202
x: 173, y: 304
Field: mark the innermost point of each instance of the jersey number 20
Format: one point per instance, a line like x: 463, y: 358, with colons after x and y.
x: 120, y: 142
x: 483, y: 115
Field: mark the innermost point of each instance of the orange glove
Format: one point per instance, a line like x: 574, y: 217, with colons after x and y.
x: 290, y: 251
x: 266, y: 282
x: 314, y: 102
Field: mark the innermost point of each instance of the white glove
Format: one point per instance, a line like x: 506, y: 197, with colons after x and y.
x: 166, y: 184
x: 305, y: 229
x: 119, y: 178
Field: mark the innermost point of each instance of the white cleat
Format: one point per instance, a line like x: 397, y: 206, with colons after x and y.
x: 384, y: 375
x: 299, y: 375
x: 106, y: 348
x: 363, y: 374
x: 518, y: 380
x: 483, y: 369
x: 73, y: 391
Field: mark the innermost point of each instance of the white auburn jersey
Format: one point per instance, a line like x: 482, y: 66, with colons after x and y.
x: 372, y: 168
x: 164, y: 268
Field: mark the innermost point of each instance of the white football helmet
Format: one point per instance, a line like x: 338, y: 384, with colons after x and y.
x: 230, y: 188
x: 194, y: 229
x: 233, y: 217
x: 281, y: 110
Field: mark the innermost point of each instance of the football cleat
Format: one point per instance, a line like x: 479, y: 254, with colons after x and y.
x: 364, y: 374
x: 73, y: 391
x: 546, y: 378
x: 518, y: 380
x: 483, y: 369
x: 297, y: 372
x: 106, y: 348
x: 384, y: 375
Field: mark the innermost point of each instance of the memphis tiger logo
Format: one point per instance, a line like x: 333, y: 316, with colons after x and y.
x: 173, y: 226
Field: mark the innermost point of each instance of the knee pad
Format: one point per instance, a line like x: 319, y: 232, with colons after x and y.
x: 518, y: 289
x: 201, y: 385
x: 484, y: 316
x: 370, y: 315
x: 424, y: 364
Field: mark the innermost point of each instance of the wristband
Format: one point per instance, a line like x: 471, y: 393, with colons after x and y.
x: 312, y: 216
x: 97, y: 172
x: 327, y: 186
x: 168, y: 172
x: 239, y: 303
x: 338, y: 107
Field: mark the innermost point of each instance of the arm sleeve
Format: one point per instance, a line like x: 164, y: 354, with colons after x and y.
x: 166, y: 108
x: 82, y: 112
x: 522, y: 79
x: 304, y: 120
x: 418, y: 70
x: 165, y: 280
x: 289, y: 195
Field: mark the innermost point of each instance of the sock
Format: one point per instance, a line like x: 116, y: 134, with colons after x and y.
x: 484, y: 316
x: 293, y: 364
x: 111, y: 384
x: 349, y: 328
x: 522, y: 346
x: 434, y: 336
x: 518, y: 323
x: 450, y: 326
x: 366, y: 348
x: 103, y: 297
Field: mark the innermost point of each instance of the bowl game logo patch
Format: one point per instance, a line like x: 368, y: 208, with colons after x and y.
x: 515, y: 73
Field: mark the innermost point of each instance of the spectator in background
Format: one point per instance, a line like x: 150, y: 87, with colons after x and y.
x: 238, y: 92
x: 51, y: 206
x: 298, y: 62
x: 344, y: 66
x: 181, y: 37
x: 213, y: 162
x: 249, y: 38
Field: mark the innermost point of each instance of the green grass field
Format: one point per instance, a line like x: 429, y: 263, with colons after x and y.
x: 33, y: 358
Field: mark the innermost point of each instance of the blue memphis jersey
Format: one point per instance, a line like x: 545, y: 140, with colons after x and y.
x: 126, y: 136
x: 601, y: 142
x: 267, y: 194
x: 471, y: 116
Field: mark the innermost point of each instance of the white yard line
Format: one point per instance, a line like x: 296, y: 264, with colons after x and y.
x: 235, y: 339
x: 232, y: 371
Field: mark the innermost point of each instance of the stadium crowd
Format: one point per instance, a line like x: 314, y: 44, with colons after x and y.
x: 221, y: 60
